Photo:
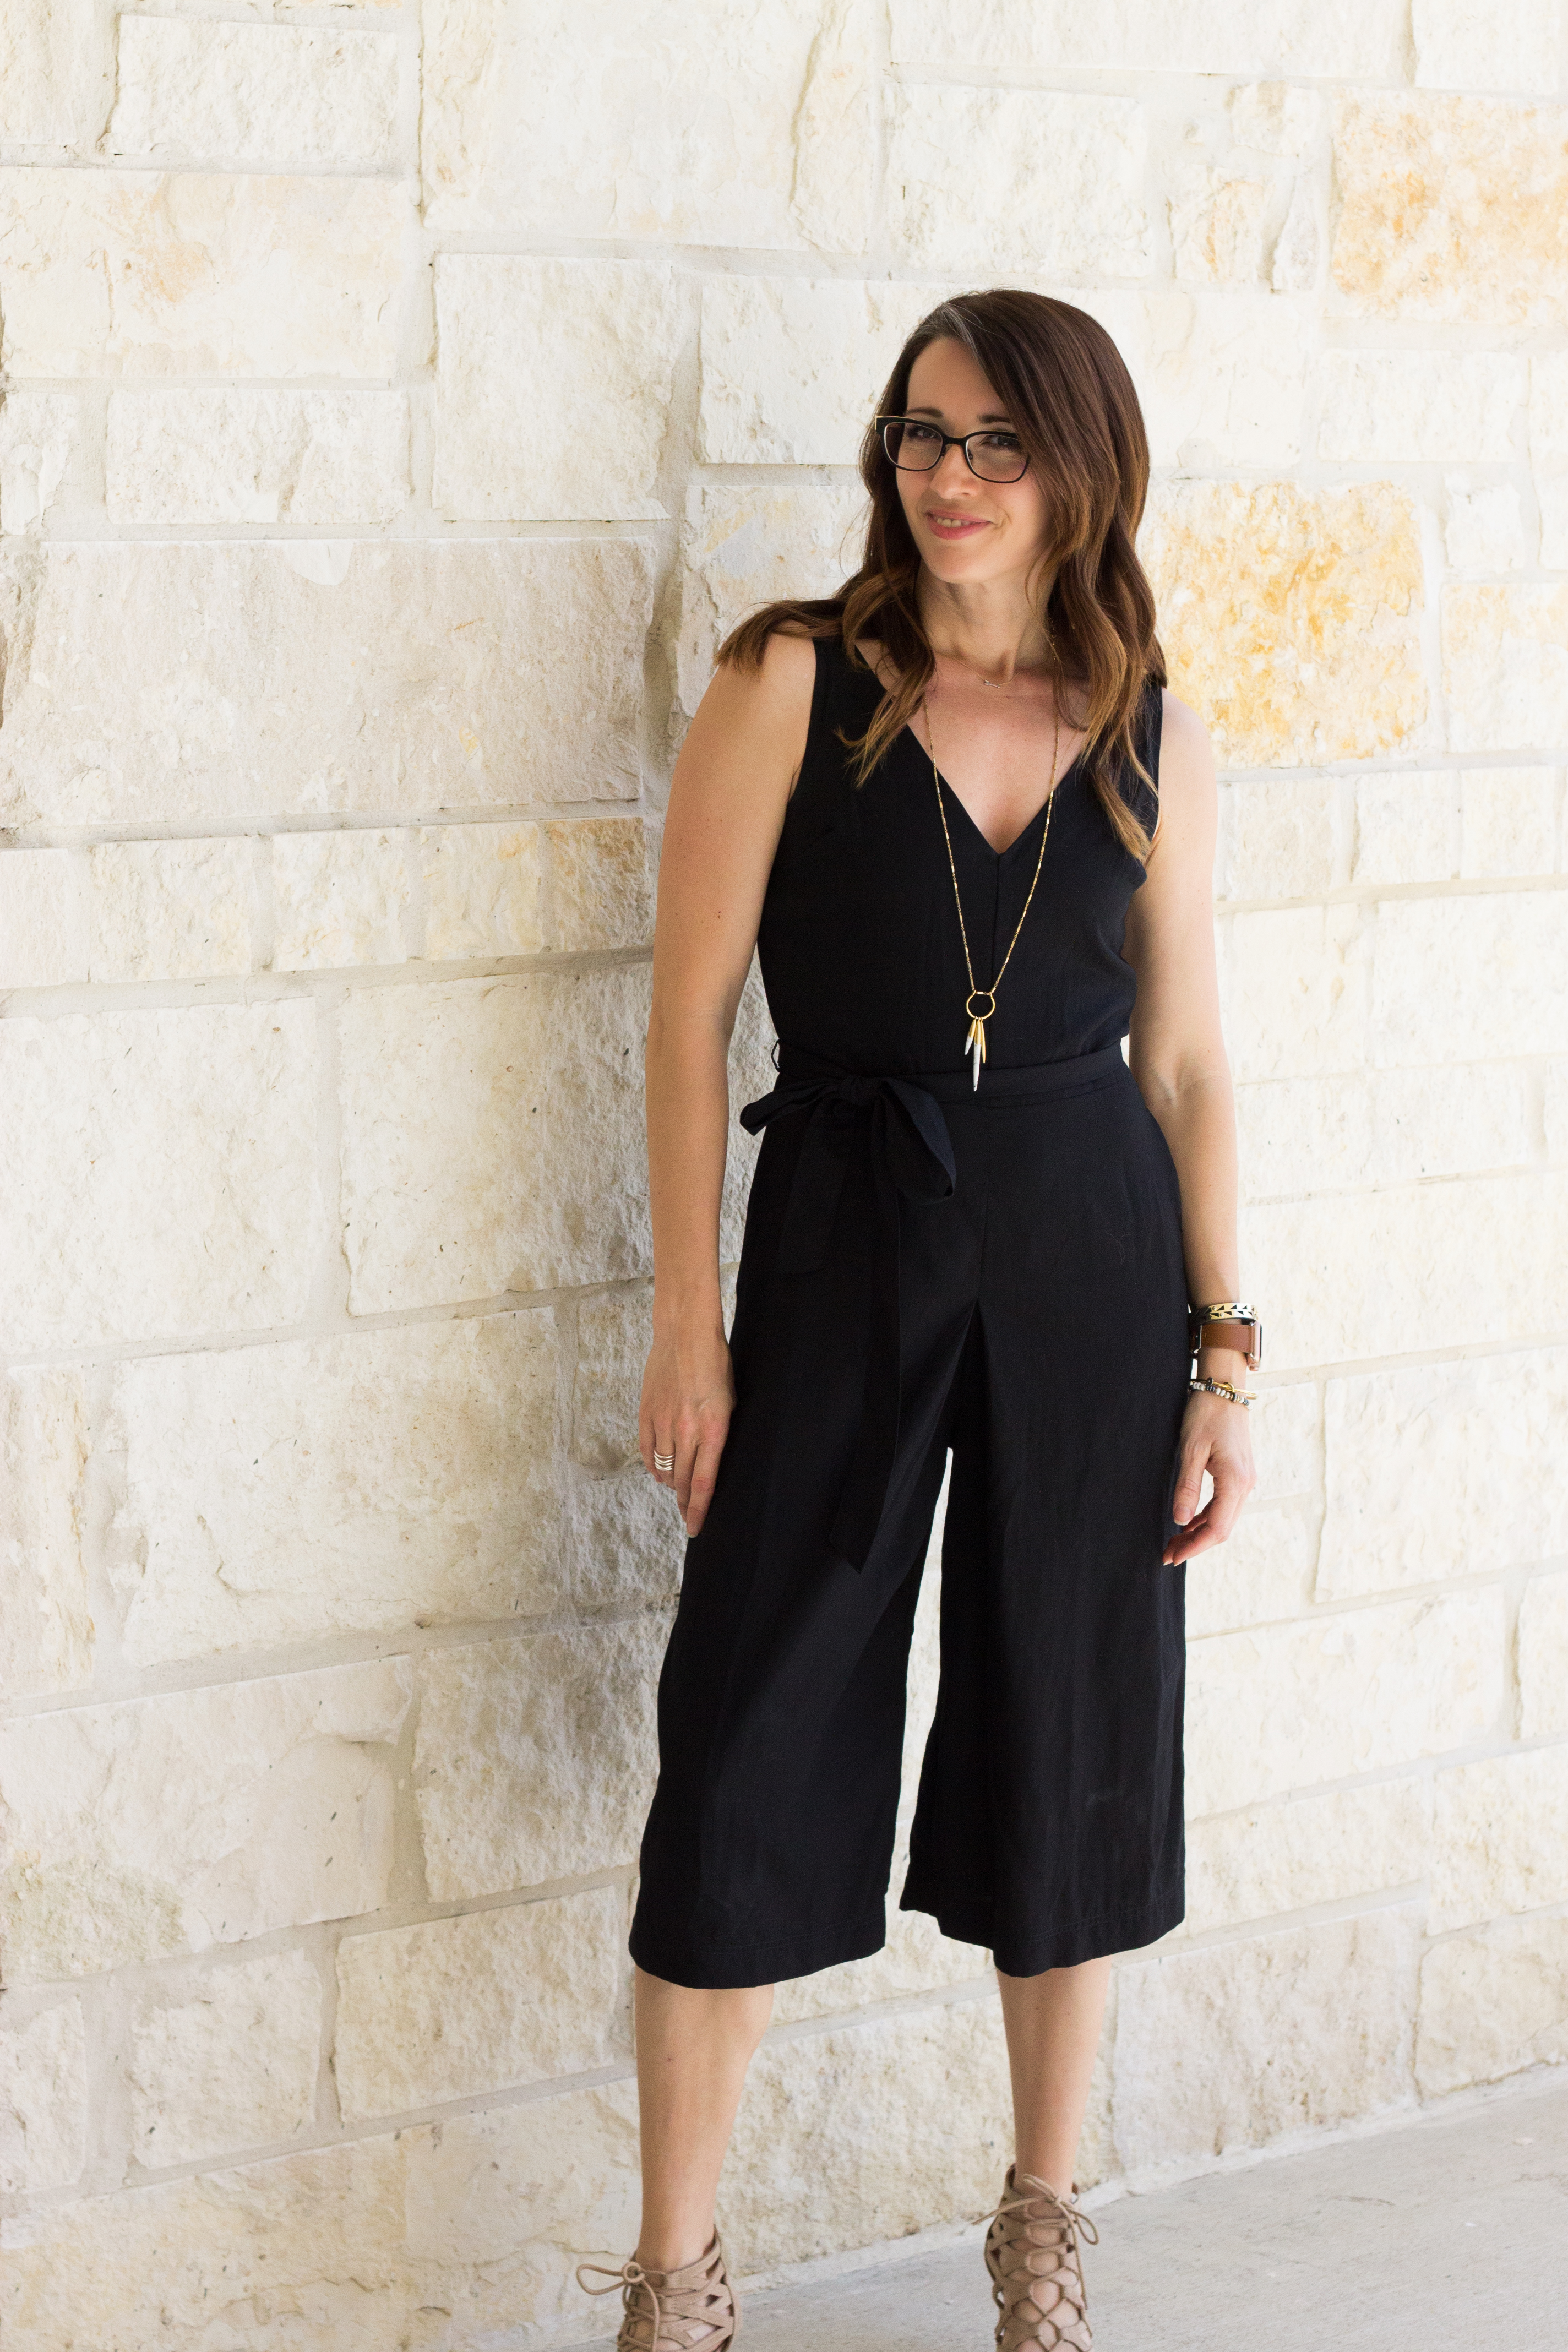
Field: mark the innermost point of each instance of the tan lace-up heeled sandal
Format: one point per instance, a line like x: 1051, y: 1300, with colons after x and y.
x: 689, y: 2310
x: 1037, y: 2275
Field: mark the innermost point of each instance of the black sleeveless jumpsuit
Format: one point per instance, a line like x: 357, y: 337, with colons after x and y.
x: 927, y: 1267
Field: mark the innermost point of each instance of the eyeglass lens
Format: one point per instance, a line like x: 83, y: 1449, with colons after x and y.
x: 917, y: 448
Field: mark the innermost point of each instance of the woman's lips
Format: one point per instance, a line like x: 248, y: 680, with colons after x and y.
x: 949, y: 527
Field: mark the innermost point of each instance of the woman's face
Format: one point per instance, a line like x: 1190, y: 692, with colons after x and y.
x: 967, y: 530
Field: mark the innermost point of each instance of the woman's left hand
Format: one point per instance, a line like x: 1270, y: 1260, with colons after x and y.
x: 1216, y: 1438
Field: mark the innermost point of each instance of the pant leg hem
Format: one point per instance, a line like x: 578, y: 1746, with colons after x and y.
x: 1060, y: 1944
x: 681, y: 1958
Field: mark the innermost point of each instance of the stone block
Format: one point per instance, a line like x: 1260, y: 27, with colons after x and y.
x: 1274, y: 118
x: 1407, y: 827
x: 1429, y: 1472
x: 1277, y: 839
x: 1302, y: 1135
x: 1499, y: 1837
x: 482, y: 886
x: 492, y: 1136
x: 1221, y: 377
x: 54, y: 76
x: 909, y: 2119
x: 170, y: 909
x: 1510, y: 821
x: 227, y: 2060
x: 1337, y: 40
x: 1048, y: 180
x: 40, y: 440
x: 146, y: 273
x: 1297, y: 987
x: 157, y: 1172
x: 43, y: 939
x: 43, y: 2100
x: 226, y: 456
x: 1271, y: 1859
x: 742, y: 548
x: 624, y: 1541
x: 552, y: 386
x: 458, y: 2007
x: 1468, y: 978
x: 615, y: 1332
x: 1217, y: 223
x: 1291, y: 617
x: 47, y: 1626
x: 1505, y: 667
x: 1449, y: 208
x: 338, y: 898
x: 395, y: 1477
x: 1485, y: 531
x: 1493, y: 2003
x: 1229, y: 2047
x: 1401, y: 408
x: 535, y: 1756
x: 537, y: 118
x: 208, y: 682
x: 161, y: 1825
x: 1461, y: 45
x: 601, y: 893
x: 188, y: 90
x: 1480, y: 1259
x: 1287, y: 1439
x: 1543, y: 1657
x: 1280, y: 1708
x: 792, y: 370
x: 1549, y: 453
x: 1263, y: 1574
x: 1555, y: 1108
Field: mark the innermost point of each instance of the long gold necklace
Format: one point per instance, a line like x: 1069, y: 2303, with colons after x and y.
x: 974, y: 1043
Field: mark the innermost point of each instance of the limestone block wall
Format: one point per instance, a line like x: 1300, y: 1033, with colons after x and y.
x: 399, y: 399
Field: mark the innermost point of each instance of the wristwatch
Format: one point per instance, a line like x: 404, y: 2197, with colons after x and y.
x: 1229, y: 1324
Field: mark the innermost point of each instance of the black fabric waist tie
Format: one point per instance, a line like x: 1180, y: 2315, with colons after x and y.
x: 899, y: 1121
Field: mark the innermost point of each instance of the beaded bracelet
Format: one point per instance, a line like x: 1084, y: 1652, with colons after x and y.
x: 1223, y: 1389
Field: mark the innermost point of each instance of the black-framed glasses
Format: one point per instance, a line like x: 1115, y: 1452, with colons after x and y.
x: 917, y: 446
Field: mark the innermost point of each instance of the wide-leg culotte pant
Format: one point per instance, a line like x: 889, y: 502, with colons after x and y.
x: 1026, y: 1308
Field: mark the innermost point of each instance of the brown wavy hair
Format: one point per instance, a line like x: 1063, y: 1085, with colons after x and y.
x: 1065, y: 389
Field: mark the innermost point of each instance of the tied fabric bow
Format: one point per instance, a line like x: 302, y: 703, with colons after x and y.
x: 902, y: 1128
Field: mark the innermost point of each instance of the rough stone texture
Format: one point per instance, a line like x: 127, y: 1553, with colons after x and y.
x: 1491, y: 2003
x: 1464, y: 44
x: 1499, y: 1837
x: 1280, y: 1708
x: 742, y: 547
x: 261, y: 93
x: 164, y: 1825
x: 170, y: 909
x: 54, y: 90
x: 229, y: 2062
x: 1434, y: 1472
x: 1277, y: 840
x: 1264, y: 1572
x: 1272, y: 1858
x: 917, y: 1957
x: 989, y: 178
x: 1228, y: 2047
x: 1481, y: 1259
x: 534, y: 1755
x: 40, y: 434
x: 458, y: 2007
x: 220, y: 1100
x: 625, y: 1542
x: 1509, y: 819
x: 1218, y: 220
x: 1248, y: 36
x: 761, y: 136
x: 1384, y: 408
x: 180, y: 682
x: 552, y: 386
x: 1486, y: 528
x: 144, y: 273
x: 613, y: 1335
x: 1286, y: 1440
x: 482, y: 886
x: 492, y: 1136
x: 1548, y: 450
x: 791, y: 369
x: 1543, y: 1657
x: 338, y: 898
x: 600, y: 887
x: 1298, y: 983
x: 45, y: 1624
x: 395, y: 1477
x: 227, y: 456
x: 1450, y: 208
x: 1505, y: 667
x: 43, y: 2100
x: 1324, y: 1135
x: 1273, y: 117
x: 1430, y: 952
x: 1407, y: 827
x: 43, y: 940
x: 1291, y: 617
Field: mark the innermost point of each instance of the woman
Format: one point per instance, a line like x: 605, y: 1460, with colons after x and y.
x: 971, y: 837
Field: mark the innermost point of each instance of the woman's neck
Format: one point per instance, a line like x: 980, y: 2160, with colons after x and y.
x: 992, y: 627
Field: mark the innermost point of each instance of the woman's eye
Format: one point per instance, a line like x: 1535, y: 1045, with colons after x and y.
x: 920, y: 437
x: 1007, y: 445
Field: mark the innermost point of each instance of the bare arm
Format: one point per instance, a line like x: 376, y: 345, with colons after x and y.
x: 727, y: 802
x: 1179, y: 1062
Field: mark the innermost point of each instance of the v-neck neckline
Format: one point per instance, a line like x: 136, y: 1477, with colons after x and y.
x: 989, y: 847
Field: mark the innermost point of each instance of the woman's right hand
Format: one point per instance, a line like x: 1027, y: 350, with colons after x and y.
x: 688, y: 1396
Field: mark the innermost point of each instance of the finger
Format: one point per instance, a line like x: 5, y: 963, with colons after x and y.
x: 1189, y: 1485
x: 660, y: 1449
x: 704, y: 1476
x: 1230, y: 1492
x: 1194, y: 1537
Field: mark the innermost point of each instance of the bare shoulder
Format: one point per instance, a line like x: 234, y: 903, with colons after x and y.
x: 1184, y: 738
x: 775, y: 694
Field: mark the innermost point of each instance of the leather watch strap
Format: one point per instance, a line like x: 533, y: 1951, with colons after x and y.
x: 1231, y: 1333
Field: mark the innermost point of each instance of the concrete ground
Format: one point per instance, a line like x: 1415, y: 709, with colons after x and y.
x: 1445, y: 2235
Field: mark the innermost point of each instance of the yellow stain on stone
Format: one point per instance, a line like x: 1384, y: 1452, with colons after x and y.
x: 1291, y: 618
x: 1452, y: 208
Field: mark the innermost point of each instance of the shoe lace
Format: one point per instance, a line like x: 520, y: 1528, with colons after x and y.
x: 702, y: 2302
x: 1018, y: 2225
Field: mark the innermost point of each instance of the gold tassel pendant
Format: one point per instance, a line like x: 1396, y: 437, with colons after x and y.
x: 975, y: 1044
